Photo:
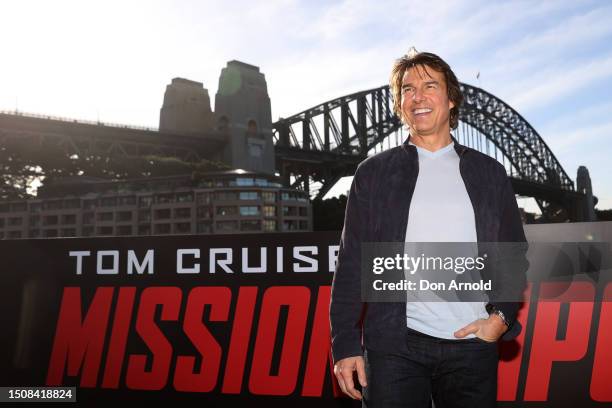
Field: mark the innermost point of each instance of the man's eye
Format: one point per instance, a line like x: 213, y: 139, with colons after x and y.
x: 407, y: 89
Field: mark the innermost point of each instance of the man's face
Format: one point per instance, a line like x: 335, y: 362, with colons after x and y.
x: 425, y: 102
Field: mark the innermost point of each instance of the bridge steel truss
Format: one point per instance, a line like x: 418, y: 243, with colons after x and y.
x: 325, y: 143
x: 39, y: 145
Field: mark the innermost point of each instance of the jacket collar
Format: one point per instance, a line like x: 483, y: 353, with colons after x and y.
x: 459, y: 148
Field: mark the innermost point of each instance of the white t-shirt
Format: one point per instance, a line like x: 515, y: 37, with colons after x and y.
x: 441, y: 211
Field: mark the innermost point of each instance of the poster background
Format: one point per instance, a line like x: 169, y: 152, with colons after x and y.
x: 34, y: 273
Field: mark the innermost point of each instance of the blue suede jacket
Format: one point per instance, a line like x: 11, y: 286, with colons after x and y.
x: 377, y: 211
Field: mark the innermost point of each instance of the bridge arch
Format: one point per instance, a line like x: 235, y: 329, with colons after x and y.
x: 325, y: 143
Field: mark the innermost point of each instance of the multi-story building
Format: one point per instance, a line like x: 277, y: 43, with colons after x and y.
x: 221, y: 202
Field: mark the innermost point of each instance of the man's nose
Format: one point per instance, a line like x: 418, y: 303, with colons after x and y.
x: 417, y: 96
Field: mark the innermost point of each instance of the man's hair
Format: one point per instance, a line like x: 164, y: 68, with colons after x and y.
x: 426, y: 60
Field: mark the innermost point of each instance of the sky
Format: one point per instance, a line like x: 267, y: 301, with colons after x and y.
x: 111, y: 60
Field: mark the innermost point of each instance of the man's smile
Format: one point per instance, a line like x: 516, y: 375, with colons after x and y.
x: 421, y: 111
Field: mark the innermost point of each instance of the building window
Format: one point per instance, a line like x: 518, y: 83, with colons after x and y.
x: 204, y: 212
x: 35, y: 207
x: 227, y: 210
x: 145, y: 201
x: 164, y: 198
x: 14, y: 234
x: 34, y: 220
x: 244, y: 181
x: 226, y: 226
x: 124, y: 230
x: 182, y: 228
x: 290, y: 225
x: 69, y: 219
x: 205, y: 183
x: 34, y: 233
x: 162, y: 229
x: 269, y: 225
x: 105, y: 230
x: 269, y: 211
x: 162, y: 214
x: 15, y: 221
x: 68, y: 232
x: 226, y: 195
x: 73, y: 203
x: 204, y: 228
x: 182, y: 212
x: 293, y: 196
x: 144, y: 216
x: 289, y: 211
x: 249, y: 210
x: 184, y: 198
x: 144, y: 230
x: 250, y: 225
x: 124, y: 216
x: 50, y: 233
x: 269, y: 196
x: 19, y: 207
x: 105, y: 216
x: 303, y: 211
x: 108, y: 201
x: 203, y: 198
x: 50, y: 220
x: 249, y: 195
x: 88, y: 231
x: 52, y: 205
x: 88, y: 218
x: 304, y: 225
x: 89, y: 204
x: 126, y: 200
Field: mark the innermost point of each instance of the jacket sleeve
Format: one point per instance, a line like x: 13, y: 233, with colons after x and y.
x: 512, y: 261
x: 346, y: 306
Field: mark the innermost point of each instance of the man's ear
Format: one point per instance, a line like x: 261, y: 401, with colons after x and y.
x: 451, y: 104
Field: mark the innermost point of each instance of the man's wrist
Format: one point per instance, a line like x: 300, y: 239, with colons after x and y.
x: 494, y: 311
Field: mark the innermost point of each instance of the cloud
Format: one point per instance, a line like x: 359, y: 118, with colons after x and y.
x: 550, y: 84
x: 562, y: 41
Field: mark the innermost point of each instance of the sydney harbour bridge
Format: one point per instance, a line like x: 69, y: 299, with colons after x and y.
x: 326, y: 142
x: 315, y: 148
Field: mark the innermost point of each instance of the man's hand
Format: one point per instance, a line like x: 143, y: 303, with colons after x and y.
x: 490, y: 329
x: 344, y: 373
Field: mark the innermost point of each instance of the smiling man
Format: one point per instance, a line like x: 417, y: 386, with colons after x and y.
x: 430, y: 189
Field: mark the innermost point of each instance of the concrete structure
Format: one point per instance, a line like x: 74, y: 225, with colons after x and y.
x: 223, y: 202
x: 583, y: 185
x: 242, y: 114
x: 242, y: 109
x: 186, y: 108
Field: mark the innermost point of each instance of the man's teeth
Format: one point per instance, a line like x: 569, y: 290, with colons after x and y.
x: 423, y: 110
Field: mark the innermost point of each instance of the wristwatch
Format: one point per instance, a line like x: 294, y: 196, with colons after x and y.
x: 491, y: 309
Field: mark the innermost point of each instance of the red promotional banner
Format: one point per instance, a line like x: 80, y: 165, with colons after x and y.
x: 244, y: 319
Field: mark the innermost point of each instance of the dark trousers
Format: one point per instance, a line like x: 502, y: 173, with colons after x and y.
x: 454, y: 373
